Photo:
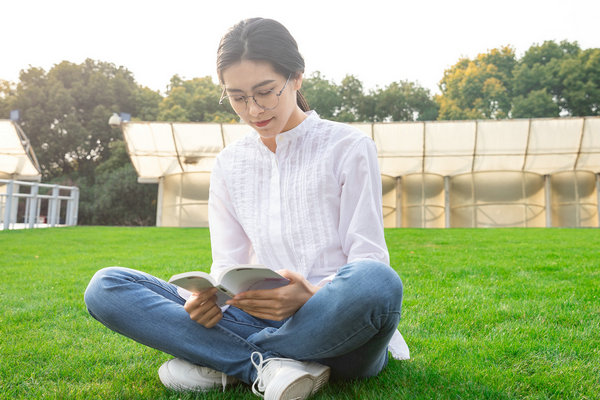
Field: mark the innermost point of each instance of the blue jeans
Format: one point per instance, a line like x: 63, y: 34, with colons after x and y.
x: 346, y: 325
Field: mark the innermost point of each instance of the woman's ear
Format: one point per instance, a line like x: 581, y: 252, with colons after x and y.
x: 298, y: 81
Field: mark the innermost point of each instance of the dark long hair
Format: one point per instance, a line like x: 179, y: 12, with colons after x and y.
x: 262, y: 39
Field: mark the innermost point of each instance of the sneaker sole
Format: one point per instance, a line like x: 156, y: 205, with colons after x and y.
x: 304, y: 383
x: 320, y: 374
x: 290, y: 385
x: 168, y: 379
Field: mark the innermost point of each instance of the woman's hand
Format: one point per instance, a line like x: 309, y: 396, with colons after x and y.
x: 203, y: 308
x: 276, y: 304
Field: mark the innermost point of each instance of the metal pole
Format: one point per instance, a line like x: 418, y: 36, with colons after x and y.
x: 447, y: 201
x: 32, y: 202
x: 69, y: 216
x: 8, y: 204
x: 399, y: 202
x: 75, y: 205
x: 159, y: 201
x: 598, y: 194
x: 54, y: 207
x: 548, y: 195
x: 14, y: 212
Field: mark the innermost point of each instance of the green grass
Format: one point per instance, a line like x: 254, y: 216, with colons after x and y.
x: 488, y: 313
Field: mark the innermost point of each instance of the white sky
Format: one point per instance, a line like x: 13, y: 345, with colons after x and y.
x: 377, y: 41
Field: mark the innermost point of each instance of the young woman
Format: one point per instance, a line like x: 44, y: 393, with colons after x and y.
x: 301, y: 195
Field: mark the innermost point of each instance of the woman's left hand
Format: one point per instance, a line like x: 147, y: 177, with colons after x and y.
x: 276, y: 304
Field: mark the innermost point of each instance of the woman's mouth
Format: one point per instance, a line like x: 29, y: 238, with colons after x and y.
x: 262, y: 124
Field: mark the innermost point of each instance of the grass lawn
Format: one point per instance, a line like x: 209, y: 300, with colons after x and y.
x: 488, y: 313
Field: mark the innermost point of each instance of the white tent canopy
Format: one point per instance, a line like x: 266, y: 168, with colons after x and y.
x: 446, y: 148
x: 522, y: 172
x: 17, y: 159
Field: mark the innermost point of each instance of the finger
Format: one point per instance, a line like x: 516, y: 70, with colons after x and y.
x: 204, y: 314
x: 254, y: 304
x: 286, y: 273
x: 209, y: 315
x: 265, y: 294
x: 200, y: 302
x: 272, y: 315
x: 214, y: 320
x: 203, y: 295
x: 197, y: 309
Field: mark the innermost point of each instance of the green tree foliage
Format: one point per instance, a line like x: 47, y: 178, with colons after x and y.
x: 118, y: 199
x: 322, y: 95
x: 352, y: 98
x: 65, y: 112
x: 549, y: 80
x: 399, y: 101
x: 113, y: 196
x: 403, y: 101
x: 537, y: 103
x: 479, y: 88
x: 537, y: 79
x: 194, y: 100
x: 7, y: 93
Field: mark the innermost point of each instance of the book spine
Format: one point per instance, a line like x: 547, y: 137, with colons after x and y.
x: 223, y: 289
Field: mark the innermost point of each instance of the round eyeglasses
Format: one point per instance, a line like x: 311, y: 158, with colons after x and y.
x: 265, y: 99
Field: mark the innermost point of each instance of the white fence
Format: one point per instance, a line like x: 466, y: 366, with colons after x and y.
x: 36, y: 205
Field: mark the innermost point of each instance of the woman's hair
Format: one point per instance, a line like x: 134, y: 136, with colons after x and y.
x: 261, y: 39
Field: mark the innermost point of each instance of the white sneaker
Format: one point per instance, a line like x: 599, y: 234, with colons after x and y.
x: 286, y: 379
x: 180, y: 375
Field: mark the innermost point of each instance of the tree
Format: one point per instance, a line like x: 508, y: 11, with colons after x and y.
x: 7, y: 93
x: 322, y: 95
x: 536, y: 79
x: 194, y: 100
x: 560, y: 72
x: 403, y: 101
x: 537, y: 103
x: 147, y: 104
x: 65, y: 112
x: 580, y: 78
x: 479, y: 88
x: 118, y: 198
x: 352, y: 99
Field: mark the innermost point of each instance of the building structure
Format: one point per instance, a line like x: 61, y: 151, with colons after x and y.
x: 24, y: 202
x: 542, y: 172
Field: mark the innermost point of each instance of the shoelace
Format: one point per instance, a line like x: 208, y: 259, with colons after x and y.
x: 263, y: 374
x: 210, y: 371
x: 223, y: 380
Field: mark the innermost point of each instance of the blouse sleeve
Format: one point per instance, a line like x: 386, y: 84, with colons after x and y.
x: 229, y: 242
x: 361, y: 215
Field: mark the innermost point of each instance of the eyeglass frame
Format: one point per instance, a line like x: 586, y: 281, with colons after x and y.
x: 223, y: 96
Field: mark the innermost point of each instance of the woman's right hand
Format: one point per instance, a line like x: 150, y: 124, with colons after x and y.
x: 203, y: 308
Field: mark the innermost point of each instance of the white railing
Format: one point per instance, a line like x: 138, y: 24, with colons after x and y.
x: 44, y: 205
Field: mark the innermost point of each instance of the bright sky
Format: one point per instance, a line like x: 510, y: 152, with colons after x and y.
x: 377, y: 41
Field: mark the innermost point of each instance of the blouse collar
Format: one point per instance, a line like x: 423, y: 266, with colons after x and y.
x: 288, y: 136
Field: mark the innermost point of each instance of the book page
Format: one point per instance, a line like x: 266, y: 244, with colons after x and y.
x: 244, y: 278
x: 197, y: 281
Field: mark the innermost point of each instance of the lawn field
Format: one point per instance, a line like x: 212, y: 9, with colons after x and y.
x: 487, y: 314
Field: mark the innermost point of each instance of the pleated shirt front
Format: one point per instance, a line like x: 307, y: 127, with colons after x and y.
x: 312, y: 206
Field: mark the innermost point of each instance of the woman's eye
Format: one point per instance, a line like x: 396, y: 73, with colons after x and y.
x: 264, y: 93
x: 237, y: 99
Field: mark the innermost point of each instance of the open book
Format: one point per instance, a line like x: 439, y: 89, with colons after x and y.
x: 231, y: 280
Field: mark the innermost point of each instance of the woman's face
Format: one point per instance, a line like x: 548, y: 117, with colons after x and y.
x: 254, y: 78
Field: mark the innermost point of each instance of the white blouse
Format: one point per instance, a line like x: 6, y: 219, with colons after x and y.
x: 312, y: 207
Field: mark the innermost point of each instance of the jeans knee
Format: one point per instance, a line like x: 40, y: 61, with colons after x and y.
x: 97, y: 290
x: 381, y: 283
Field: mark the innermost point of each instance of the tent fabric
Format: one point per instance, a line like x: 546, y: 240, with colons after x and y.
x: 17, y: 159
x: 447, y: 148
x: 480, y: 173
